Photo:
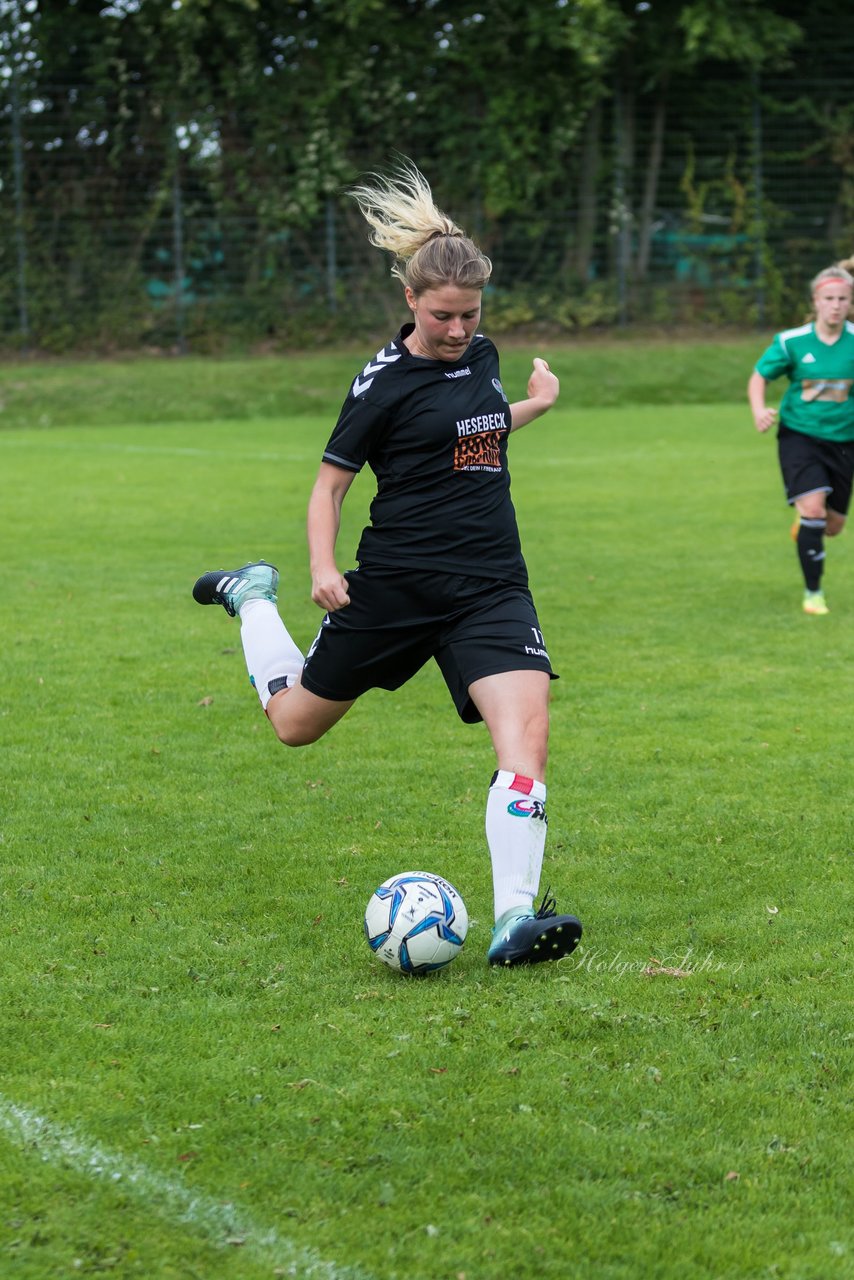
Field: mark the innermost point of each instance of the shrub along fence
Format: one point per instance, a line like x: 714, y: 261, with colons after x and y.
x: 661, y: 217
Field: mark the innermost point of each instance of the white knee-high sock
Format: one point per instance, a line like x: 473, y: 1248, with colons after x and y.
x: 516, y: 835
x: 271, y: 654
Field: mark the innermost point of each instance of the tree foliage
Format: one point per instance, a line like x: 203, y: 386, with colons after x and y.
x: 550, y: 128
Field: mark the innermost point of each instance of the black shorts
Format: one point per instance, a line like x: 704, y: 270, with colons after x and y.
x: 812, y: 465
x: 397, y: 619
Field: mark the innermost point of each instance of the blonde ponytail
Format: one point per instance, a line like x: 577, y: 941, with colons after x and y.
x: 429, y: 249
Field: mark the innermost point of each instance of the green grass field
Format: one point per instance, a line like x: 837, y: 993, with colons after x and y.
x: 205, y: 1074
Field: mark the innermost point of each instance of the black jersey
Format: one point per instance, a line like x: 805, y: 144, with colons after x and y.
x: 434, y: 433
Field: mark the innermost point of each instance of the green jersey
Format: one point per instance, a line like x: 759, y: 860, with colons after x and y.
x: 818, y: 400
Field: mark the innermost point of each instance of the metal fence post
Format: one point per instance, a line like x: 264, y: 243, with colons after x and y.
x: 331, y: 257
x: 20, y: 231
x: 620, y: 208
x: 759, y: 211
x: 178, y: 244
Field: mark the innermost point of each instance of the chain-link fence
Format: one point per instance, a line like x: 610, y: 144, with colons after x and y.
x: 665, y: 214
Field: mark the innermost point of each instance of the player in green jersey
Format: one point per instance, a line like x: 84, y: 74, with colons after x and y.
x: 815, y: 435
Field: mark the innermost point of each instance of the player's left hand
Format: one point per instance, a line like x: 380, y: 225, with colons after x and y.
x: 542, y: 384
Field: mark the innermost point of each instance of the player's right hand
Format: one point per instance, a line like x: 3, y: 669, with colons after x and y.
x: 765, y: 419
x: 329, y: 591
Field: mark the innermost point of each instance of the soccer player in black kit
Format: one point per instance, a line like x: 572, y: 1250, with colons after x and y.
x: 440, y: 570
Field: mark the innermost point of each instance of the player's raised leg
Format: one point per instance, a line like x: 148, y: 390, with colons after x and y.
x: 273, y: 659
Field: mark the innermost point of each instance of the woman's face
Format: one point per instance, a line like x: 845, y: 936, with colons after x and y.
x: 445, y: 321
x: 832, y: 303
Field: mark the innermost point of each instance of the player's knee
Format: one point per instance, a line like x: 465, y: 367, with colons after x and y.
x: 292, y: 731
x: 812, y: 511
x: 291, y: 735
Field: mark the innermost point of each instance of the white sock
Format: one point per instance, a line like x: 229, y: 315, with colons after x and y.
x: 270, y: 652
x: 516, y: 835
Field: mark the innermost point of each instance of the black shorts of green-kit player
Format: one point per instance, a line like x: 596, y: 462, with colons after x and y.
x: 397, y: 620
x: 810, y: 464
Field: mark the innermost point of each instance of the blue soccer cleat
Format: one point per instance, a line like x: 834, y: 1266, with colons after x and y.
x: 525, y: 937
x: 233, y: 587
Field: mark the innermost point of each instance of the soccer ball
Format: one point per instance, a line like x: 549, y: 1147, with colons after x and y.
x: 416, y: 922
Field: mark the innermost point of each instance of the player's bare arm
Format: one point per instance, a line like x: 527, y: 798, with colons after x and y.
x: 328, y: 585
x: 763, y: 416
x: 543, y: 390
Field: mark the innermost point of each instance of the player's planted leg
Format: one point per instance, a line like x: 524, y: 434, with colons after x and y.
x: 516, y: 825
x: 810, y: 545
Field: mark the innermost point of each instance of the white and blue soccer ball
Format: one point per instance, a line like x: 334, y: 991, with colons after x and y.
x: 416, y: 922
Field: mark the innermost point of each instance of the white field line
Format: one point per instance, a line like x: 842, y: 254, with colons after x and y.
x: 45, y: 443
x: 224, y: 1223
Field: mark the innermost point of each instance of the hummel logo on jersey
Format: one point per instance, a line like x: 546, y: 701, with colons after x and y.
x: 459, y: 373
x: 809, y: 358
x: 381, y: 360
